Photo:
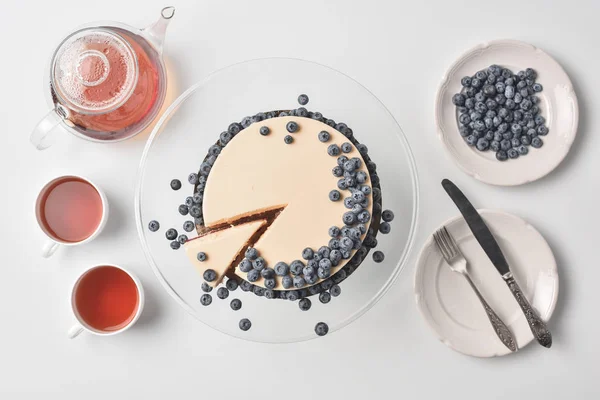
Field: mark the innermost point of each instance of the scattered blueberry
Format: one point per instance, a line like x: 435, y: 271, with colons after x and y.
x: 333, y: 150
x: 385, y: 228
x: 236, y: 304
x: 537, y: 142
x: 171, y: 234
x: 324, y: 297
x: 245, y: 324
x: 206, y: 287
x: 324, y: 136
x: 175, y: 184
x: 321, y: 329
x: 288, y: 139
x: 334, y: 195
x: 231, y: 284
x: 304, y: 304
x: 264, y: 130
x: 346, y: 147
x: 201, y: 256
x: 209, y: 275
x: 154, y: 226
x: 222, y: 293
x: 303, y: 99
x: 291, y: 126
x: 378, y: 256
x: 205, y: 299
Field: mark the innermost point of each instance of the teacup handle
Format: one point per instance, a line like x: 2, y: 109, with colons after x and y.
x: 49, y: 248
x: 75, y: 331
x: 43, y: 136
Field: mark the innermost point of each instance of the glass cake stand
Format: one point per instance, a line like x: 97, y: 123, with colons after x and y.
x: 193, y: 122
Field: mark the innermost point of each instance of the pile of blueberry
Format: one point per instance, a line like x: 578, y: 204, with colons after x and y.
x: 499, y: 111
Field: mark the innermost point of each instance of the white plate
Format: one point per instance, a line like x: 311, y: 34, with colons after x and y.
x: 452, y: 309
x: 558, y: 105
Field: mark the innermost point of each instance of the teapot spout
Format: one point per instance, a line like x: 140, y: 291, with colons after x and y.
x: 155, y: 33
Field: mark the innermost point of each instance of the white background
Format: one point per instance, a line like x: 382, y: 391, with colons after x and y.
x: 399, y: 50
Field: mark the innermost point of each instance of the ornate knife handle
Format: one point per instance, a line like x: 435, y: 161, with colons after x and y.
x: 499, y: 326
x: 537, y: 326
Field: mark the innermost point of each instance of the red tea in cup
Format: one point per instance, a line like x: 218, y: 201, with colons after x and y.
x: 106, y: 299
x: 70, y: 209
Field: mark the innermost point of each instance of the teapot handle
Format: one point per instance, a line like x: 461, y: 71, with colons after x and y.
x: 44, y: 133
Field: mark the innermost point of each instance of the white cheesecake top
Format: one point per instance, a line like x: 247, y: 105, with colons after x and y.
x: 255, y: 173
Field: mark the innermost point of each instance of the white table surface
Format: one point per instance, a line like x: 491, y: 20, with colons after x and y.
x: 399, y: 50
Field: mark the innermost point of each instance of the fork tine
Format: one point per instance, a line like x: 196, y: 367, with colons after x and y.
x: 448, y: 242
x: 441, y: 245
x: 453, y: 242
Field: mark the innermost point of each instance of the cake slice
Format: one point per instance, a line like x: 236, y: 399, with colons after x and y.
x: 221, y: 247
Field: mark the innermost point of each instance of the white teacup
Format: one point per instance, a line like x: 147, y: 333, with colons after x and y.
x: 63, y: 200
x: 106, y: 299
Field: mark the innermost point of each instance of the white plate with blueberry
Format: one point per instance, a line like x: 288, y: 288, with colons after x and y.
x: 451, y: 307
x: 506, y: 112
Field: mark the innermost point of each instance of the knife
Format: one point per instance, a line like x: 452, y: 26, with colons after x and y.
x: 490, y: 246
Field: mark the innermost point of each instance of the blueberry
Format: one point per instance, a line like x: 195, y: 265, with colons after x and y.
x: 303, y: 99
x: 501, y: 155
x: 516, y: 129
x: 334, y: 231
x: 206, y: 288
x: 346, y: 243
x: 464, y: 119
x: 489, y: 90
x: 537, y: 142
x: 259, y: 263
x: 171, y: 234
x: 466, y: 81
x: 264, y: 130
x: 175, y: 184
x: 270, y: 283
x: 299, y: 282
x: 324, y: 251
x: 515, y: 142
x: 325, y: 263
x: 153, y: 226
x: 482, y: 145
x: 231, y: 285
x: 324, y: 136
x: 334, y: 244
x: 323, y: 273
x: 491, y: 104
x: 246, y: 286
x: 364, y: 188
x: 512, y: 153
x: 510, y: 82
x: 334, y: 195
x: 333, y: 150
x: 293, y: 295
x: 526, y: 140
x: 224, y: 138
x: 304, y: 304
x: 349, y: 218
x: 542, y: 130
x: 236, y: 304
x: 537, y: 87
x: 205, y: 299
x: 509, y: 92
x: 201, y: 256
x: 505, y: 144
x: 362, y: 149
x: 267, y: 273
x: 258, y: 291
x: 234, y: 128
x: 253, y: 275
x: 363, y: 217
x: 471, y: 140
x: 286, y: 282
x: 470, y: 104
x: 539, y: 120
x: 476, y: 83
x: 518, y: 98
x: 324, y: 297
x: 506, y: 73
x: 387, y: 216
x: 245, y: 324
x: 251, y: 253
x: 245, y: 265
x: 335, y: 290
x: 321, y: 329
x: 308, y: 253
x: 523, y: 150
x: 301, y: 112
x: 346, y: 147
x: 458, y: 99
x: 296, y: 267
x: 222, y: 293
x: 335, y: 257
x: 288, y: 139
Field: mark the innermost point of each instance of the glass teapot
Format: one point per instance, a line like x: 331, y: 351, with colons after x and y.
x: 107, y: 82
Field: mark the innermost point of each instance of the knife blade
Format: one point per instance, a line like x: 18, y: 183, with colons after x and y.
x: 490, y: 246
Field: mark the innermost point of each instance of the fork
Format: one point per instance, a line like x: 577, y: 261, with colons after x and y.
x: 457, y: 262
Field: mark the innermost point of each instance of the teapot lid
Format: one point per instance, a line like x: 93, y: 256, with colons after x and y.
x: 94, y: 71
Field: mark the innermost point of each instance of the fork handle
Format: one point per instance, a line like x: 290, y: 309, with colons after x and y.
x: 536, y: 324
x: 499, y: 326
